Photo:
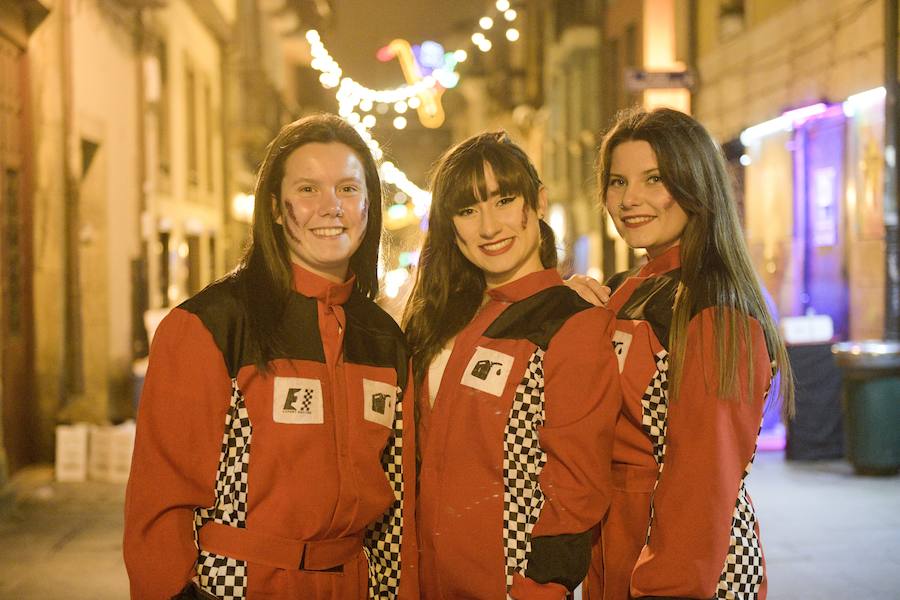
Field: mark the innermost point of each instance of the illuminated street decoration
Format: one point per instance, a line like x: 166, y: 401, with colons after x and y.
x: 428, y: 70
x: 426, y: 60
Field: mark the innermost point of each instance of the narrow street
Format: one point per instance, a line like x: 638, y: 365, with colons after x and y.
x: 828, y: 535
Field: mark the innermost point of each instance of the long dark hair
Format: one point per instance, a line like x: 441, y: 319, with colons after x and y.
x: 448, y: 288
x: 264, y: 273
x: 716, y: 269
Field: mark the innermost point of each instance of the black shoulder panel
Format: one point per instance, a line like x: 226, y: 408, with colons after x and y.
x: 653, y: 301
x: 373, y: 337
x: 538, y: 317
x: 220, y: 310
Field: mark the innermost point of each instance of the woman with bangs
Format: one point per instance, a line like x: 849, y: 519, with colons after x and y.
x: 697, y: 348
x: 517, y: 388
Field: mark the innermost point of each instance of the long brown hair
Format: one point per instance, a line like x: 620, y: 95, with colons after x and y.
x: 264, y: 272
x: 448, y: 288
x: 716, y: 269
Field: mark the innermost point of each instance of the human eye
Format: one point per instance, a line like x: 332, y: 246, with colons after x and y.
x: 350, y: 188
x: 616, y: 181
x: 504, y: 200
x: 306, y: 189
x: 465, y: 211
x: 655, y: 178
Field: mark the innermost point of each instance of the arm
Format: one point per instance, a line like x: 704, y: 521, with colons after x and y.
x: 179, y: 436
x: 710, y: 441
x: 396, y: 529
x: 582, y: 403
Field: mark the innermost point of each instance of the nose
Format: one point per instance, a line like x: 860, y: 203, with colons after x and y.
x: 631, y: 197
x: 488, y: 225
x: 330, y: 204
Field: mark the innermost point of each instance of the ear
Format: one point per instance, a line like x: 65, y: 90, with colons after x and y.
x: 276, y: 210
x: 543, y: 203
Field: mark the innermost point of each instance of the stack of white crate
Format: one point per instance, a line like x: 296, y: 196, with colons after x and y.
x: 96, y: 452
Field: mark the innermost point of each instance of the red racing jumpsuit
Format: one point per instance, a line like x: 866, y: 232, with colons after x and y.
x: 515, y: 467
x: 286, y: 484
x: 681, y: 523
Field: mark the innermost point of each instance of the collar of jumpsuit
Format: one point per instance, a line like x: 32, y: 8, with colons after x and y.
x: 330, y: 297
x: 526, y: 286
x: 665, y: 262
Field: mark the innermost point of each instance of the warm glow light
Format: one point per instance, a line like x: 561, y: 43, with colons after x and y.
x: 510, y: 15
x: 368, y: 121
x: 485, y: 46
x: 400, y: 123
x: 502, y: 5
x: 414, y: 102
x: 242, y: 207
x: 512, y: 34
x: 461, y: 56
x: 400, y: 107
x: 478, y: 38
x: 485, y: 22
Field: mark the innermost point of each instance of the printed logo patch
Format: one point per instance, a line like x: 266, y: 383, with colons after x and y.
x: 621, y: 343
x: 379, y: 402
x: 488, y: 371
x: 297, y: 401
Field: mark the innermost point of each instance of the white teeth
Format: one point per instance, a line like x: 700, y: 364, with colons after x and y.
x: 497, y: 245
x: 637, y: 219
x: 328, y: 231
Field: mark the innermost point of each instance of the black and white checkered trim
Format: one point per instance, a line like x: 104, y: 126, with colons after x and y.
x: 384, y: 536
x: 743, y: 573
x: 222, y: 576
x: 655, y: 402
x: 523, y: 461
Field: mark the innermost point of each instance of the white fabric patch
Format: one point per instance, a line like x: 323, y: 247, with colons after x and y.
x: 297, y: 401
x: 379, y: 401
x: 621, y: 343
x: 488, y: 371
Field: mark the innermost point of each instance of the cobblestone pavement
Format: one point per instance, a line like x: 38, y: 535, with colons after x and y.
x: 827, y: 534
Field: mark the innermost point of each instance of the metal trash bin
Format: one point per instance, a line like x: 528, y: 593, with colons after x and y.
x: 871, y: 401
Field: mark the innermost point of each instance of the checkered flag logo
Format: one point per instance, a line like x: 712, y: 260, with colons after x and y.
x: 523, y: 461
x: 306, y: 402
x: 222, y: 576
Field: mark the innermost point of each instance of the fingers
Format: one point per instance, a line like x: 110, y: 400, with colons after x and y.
x: 589, y: 288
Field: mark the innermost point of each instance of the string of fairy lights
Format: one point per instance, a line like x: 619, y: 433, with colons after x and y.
x: 428, y: 69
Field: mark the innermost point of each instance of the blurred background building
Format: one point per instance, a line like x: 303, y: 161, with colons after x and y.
x: 131, y: 131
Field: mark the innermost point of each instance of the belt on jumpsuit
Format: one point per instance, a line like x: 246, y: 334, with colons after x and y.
x: 278, y: 552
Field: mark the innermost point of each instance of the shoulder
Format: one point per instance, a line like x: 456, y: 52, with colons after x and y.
x: 216, y: 304
x: 370, y: 317
x: 539, y: 317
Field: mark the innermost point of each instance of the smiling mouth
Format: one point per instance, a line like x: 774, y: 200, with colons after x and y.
x: 328, y: 232
x: 498, y: 247
x: 637, y: 220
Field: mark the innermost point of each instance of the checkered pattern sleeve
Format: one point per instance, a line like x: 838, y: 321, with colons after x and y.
x: 703, y: 540
x: 582, y: 400
x: 390, y: 542
x: 182, y: 410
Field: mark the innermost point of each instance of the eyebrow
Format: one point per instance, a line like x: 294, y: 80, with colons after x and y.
x: 648, y: 171
x: 312, y: 180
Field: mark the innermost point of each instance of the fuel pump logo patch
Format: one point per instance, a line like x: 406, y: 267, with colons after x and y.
x: 297, y: 401
x: 488, y: 371
x: 379, y: 402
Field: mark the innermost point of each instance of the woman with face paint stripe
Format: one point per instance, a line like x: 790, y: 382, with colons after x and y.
x: 273, y: 437
x: 517, y: 388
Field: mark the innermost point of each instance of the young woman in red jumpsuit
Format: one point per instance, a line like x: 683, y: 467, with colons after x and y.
x: 696, y: 348
x: 274, y: 455
x: 518, y: 388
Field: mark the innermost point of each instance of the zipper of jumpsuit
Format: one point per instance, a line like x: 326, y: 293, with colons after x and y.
x: 333, y: 322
